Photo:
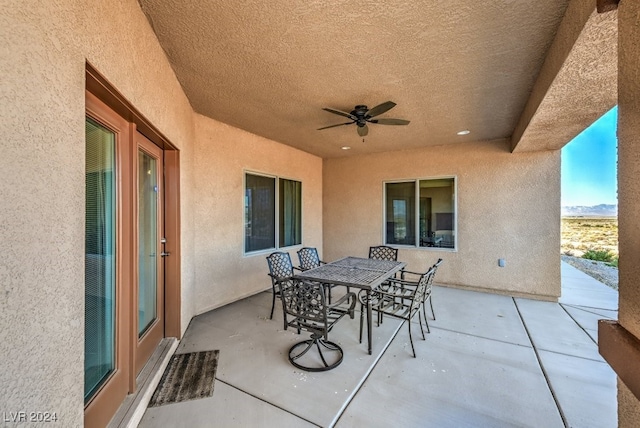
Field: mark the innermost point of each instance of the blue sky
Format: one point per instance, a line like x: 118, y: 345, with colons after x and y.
x: 589, y: 164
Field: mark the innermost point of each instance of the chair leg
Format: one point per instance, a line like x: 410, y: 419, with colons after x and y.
x: 361, y: 319
x: 420, y: 321
x: 424, y: 311
x: 285, y: 322
x: 318, y: 343
x: 431, y: 304
x: 411, y: 339
x: 426, y: 321
x: 273, y: 303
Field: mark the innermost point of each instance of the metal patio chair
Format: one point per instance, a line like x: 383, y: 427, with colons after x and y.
x: 281, y: 273
x: 383, y: 252
x: 309, y: 259
x: 413, y: 277
x: 305, y: 305
x: 380, y: 252
x: 401, y: 299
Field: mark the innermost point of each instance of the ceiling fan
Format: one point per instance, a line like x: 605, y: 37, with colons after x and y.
x: 360, y: 115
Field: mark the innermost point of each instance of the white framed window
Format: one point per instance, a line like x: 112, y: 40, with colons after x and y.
x: 421, y: 212
x: 272, y: 212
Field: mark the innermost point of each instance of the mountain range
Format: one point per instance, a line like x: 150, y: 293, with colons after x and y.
x: 602, y: 210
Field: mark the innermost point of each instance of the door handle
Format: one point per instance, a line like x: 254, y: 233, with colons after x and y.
x: 164, y: 254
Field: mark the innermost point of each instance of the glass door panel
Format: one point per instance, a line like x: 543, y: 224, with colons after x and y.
x: 100, y: 234
x: 149, y: 308
x: 147, y: 241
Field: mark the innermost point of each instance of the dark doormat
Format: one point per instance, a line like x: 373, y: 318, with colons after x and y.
x: 187, y: 377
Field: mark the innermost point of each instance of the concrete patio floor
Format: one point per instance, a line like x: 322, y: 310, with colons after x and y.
x: 489, y: 361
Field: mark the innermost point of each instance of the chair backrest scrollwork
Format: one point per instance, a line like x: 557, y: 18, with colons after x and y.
x: 423, y: 290
x: 382, y: 252
x: 305, y: 301
x: 309, y: 258
x: 432, y: 275
x: 280, y: 265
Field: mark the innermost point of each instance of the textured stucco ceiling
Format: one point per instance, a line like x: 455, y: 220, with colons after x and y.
x: 270, y: 67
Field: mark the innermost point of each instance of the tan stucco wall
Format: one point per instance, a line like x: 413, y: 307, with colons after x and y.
x: 629, y: 188
x: 508, y: 206
x: 44, y: 48
x: 628, y: 407
x: 223, y: 273
x: 629, y: 166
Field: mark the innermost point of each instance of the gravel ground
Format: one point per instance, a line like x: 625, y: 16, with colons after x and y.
x: 599, y: 270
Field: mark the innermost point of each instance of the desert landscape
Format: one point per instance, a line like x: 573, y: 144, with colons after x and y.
x: 591, y: 245
x: 581, y: 234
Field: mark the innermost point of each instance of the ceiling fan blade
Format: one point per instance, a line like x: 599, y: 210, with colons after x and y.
x: 363, y: 130
x: 382, y: 108
x: 341, y: 113
x: 333, y: 126
x: 390, y: 121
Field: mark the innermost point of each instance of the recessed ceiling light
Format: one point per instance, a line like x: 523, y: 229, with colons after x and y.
x: 465, y: 132
x: 346, y: 148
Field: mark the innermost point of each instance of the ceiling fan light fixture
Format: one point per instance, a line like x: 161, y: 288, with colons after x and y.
x: 345, y: 148
x: 464, y: 132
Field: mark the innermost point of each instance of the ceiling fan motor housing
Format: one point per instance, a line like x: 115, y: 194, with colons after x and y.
x: 360, y: 111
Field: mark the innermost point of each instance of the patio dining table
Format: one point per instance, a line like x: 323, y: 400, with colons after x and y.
x: 356, y: 272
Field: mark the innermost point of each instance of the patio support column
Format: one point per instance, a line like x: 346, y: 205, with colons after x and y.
x: 628, y: 210
x: 577, y: 82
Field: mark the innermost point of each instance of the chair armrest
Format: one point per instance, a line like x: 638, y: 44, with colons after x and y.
x: 397, y: 289
x: 411, y: 273
x: 390, y: 288
x: 278, y: 280
x: 401, y: 283
x: 349, y: 296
